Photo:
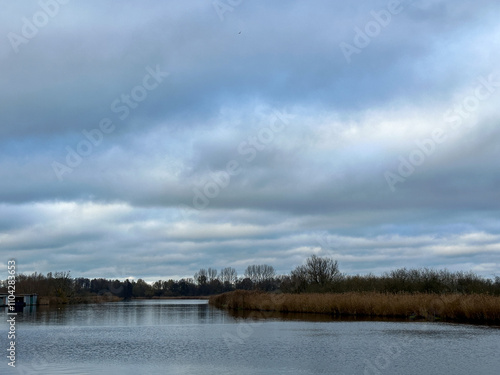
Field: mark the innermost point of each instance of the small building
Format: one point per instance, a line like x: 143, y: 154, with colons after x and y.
x: 21, y: 300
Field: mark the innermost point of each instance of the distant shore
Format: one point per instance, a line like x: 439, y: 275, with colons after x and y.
x: 44, y: 301
x: 459, y: 308
x: 178, y: 297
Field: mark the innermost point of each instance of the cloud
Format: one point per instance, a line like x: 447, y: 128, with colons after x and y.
x: 264, y: 146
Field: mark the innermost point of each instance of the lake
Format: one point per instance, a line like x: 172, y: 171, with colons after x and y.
x: 190, y: 337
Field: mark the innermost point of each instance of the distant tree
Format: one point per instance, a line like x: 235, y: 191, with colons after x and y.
x: 173, y: 288
x: 259, y: 273
x: 211, y: 274
x: 215, y: 287
x: 116, y: 287
x: 127, y: 290
x: 496, y: 286
x: 158, y: 288
x: 63, y: 284
x: 142, y: 289
x: 82, y: 285
x: 228, y: 275
x: 201, y: 276
x: 98, y: 286
x: 186, y: 288
x: 245, y: 284
x: 318, y: 274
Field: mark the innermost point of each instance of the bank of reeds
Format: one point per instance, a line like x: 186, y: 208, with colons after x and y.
x: 472, y: 308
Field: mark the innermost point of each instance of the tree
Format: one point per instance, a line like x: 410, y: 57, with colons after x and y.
x: 228, y: 275
x: 63, y: 284
x: 201, y: 276
x: 82, y: 285
x: 259, y: 273
x: 320, y: 273
x: 244, y: 284
x: 211, y: 274
x: 127, y: 290
x: 142, y: 289
x: 185, y: 287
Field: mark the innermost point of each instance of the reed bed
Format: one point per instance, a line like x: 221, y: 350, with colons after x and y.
x: 472, y: 308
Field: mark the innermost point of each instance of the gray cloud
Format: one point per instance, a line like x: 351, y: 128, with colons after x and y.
x: 315, y: 183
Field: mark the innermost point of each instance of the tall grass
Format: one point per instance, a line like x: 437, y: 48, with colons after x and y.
x: 473, y: 308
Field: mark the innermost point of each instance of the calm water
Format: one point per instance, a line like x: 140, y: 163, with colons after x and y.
x: 190, y: 337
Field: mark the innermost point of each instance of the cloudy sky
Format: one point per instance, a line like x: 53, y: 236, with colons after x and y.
x: 149, y: 139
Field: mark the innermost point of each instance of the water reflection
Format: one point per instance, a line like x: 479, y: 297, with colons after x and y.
x: 29, y: 309
x: 307, y: 317
x: 314, y: 317
x: 130, y: 313
x: 190, y: 337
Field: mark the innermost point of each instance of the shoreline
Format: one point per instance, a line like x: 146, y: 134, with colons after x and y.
x: 54, y: 301
x: 178, y: 297
x: 453, y: 308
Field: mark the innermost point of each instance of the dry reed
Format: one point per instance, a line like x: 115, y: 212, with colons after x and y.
x: 473, y: 308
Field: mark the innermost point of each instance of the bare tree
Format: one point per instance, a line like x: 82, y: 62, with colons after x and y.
x: 260, y: 273
x: 63, y: 284
x: 211, y: 274
x: 228, y: 275
x: 201, y: 276
x: 317, y: 271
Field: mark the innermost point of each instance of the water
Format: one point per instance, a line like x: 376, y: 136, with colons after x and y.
x: 190, y: 337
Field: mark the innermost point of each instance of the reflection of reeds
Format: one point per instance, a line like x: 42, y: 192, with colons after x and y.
x: 478, y: 308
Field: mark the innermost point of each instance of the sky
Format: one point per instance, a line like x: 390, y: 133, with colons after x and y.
x: 151, y: 139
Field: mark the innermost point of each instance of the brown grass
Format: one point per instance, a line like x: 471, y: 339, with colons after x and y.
x: 473, y: 308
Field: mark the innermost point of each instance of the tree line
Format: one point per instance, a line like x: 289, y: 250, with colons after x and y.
x: 320, y: 275
x: 316, y: 275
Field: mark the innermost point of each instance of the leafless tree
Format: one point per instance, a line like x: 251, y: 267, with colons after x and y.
x: 317, y: 271
x: 260, y: 273
x: 228, y: 275
x: 211, y: 274
x: 201, y: 276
